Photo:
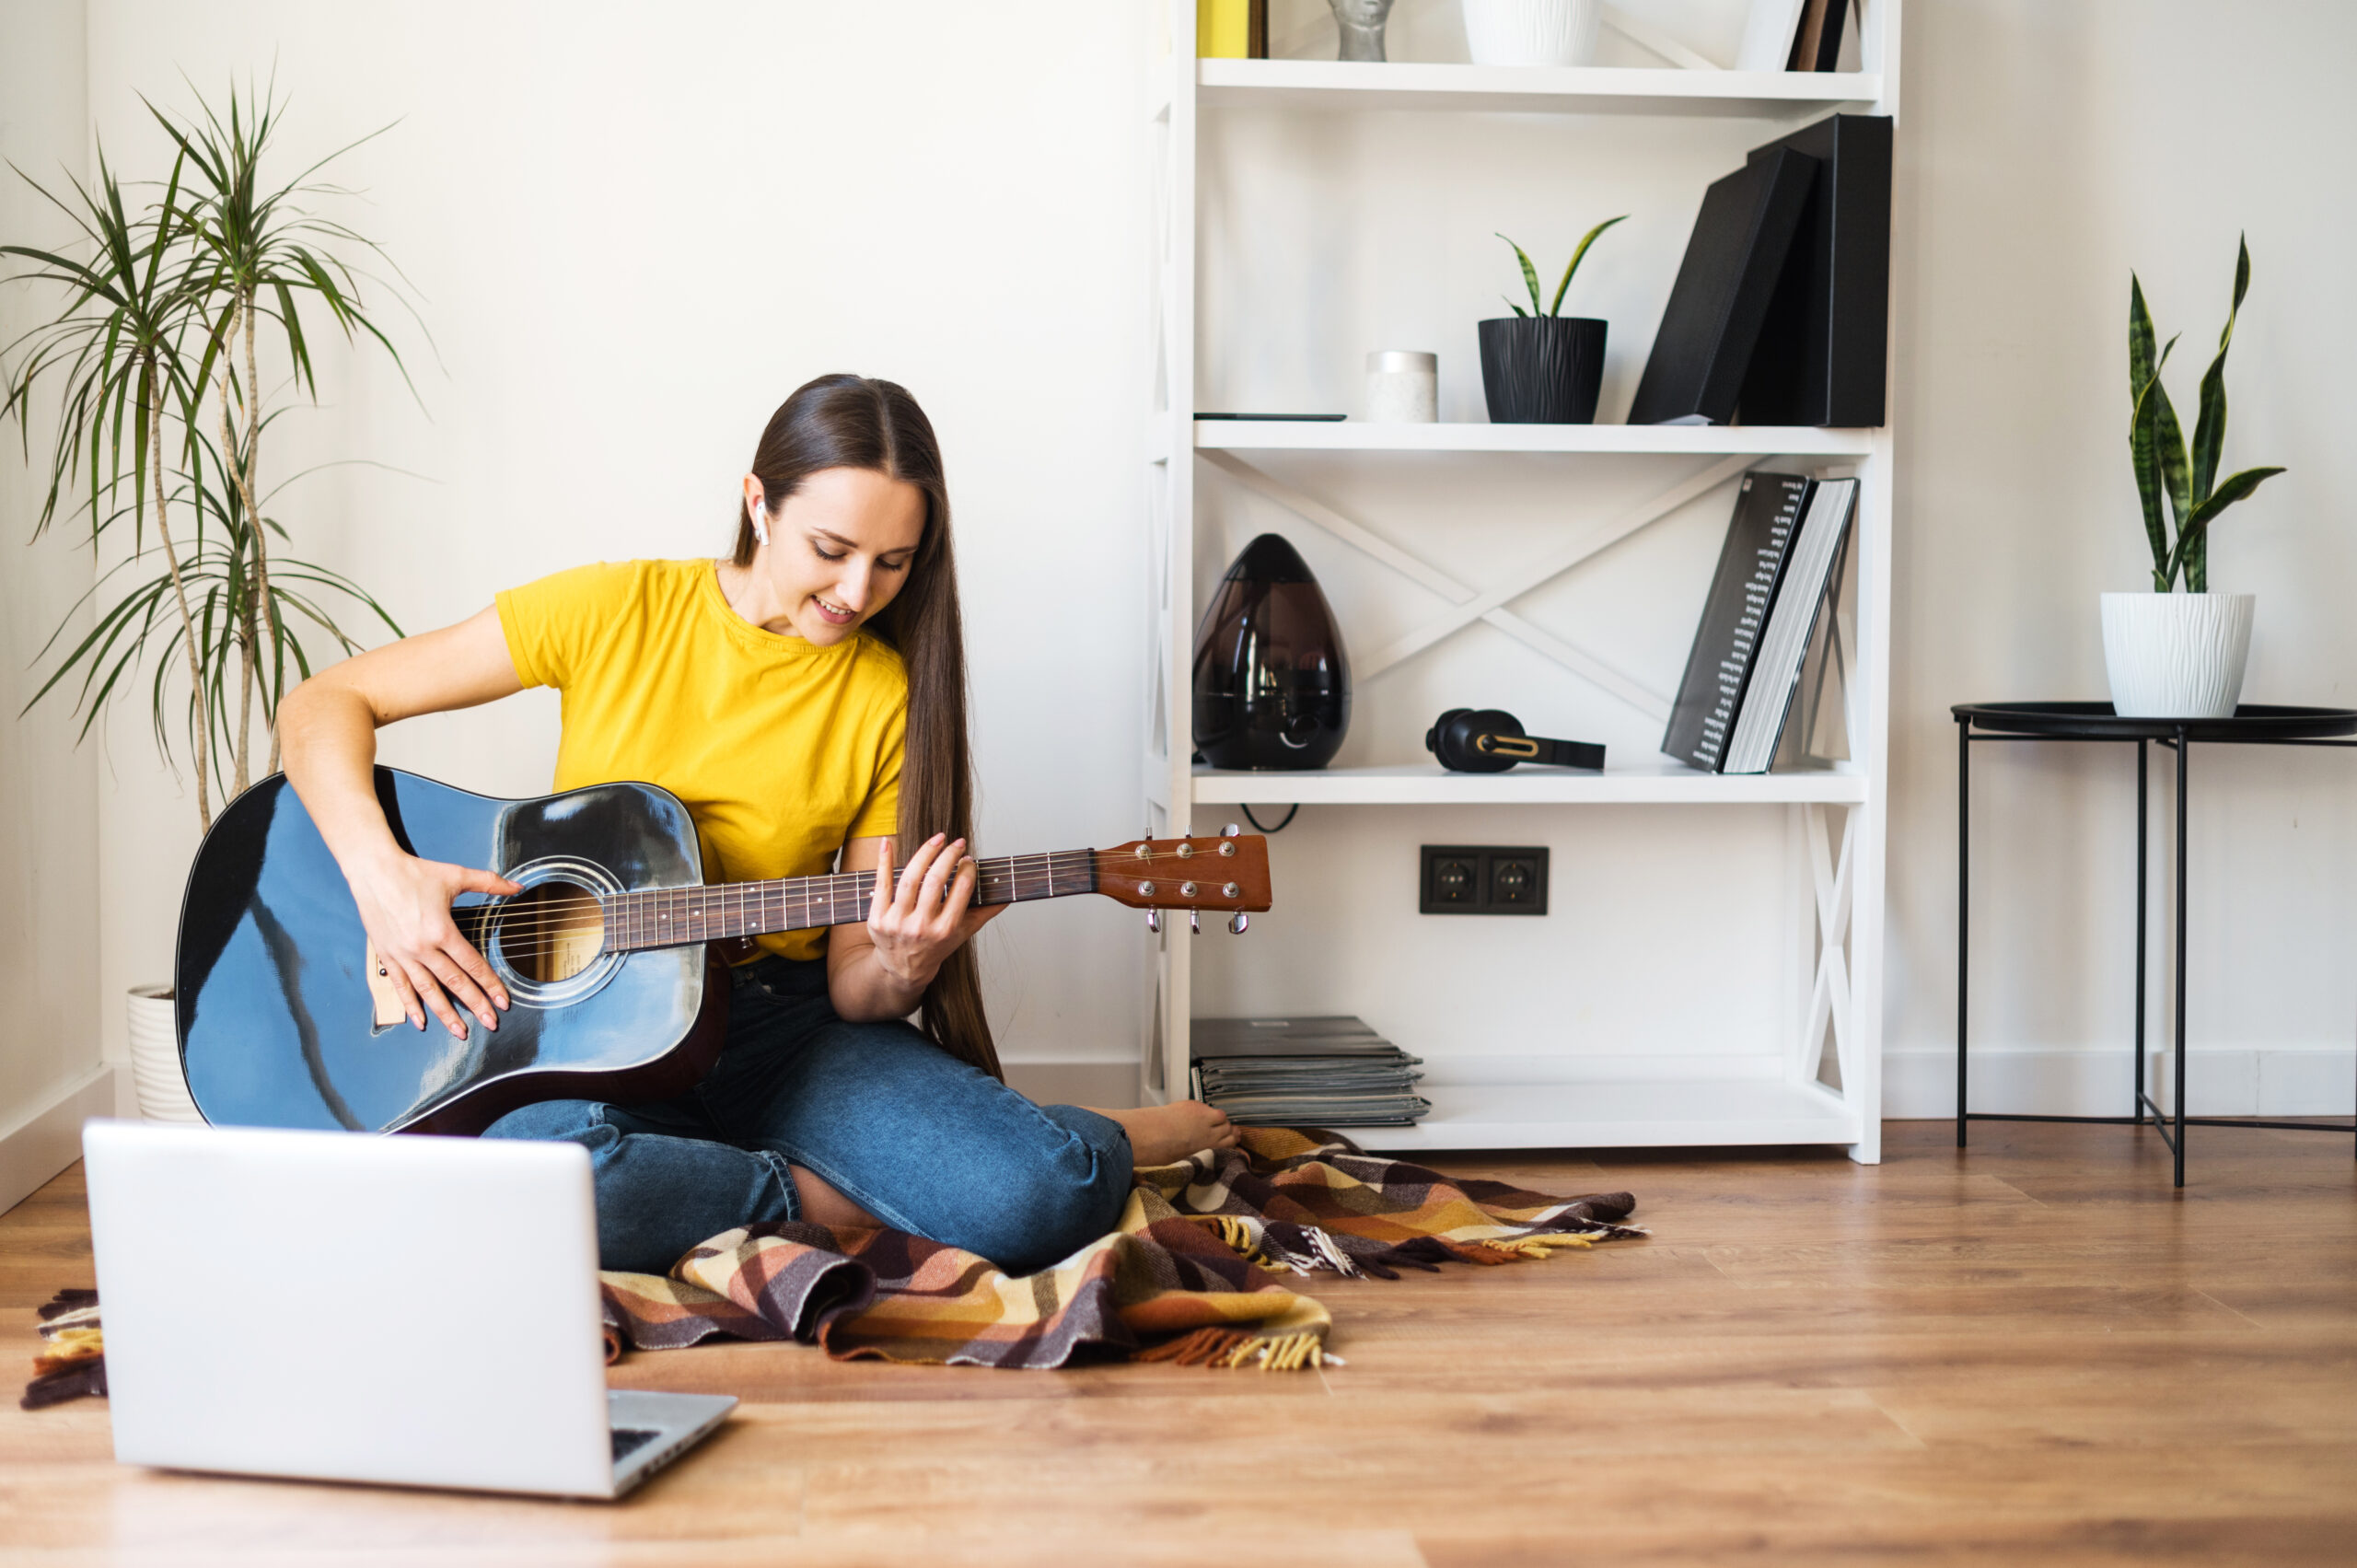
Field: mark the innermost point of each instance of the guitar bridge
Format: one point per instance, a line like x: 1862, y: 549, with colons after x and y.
x: 384, y: 1002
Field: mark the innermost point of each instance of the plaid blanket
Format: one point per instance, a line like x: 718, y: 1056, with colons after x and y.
x: 72, y: 1362
x: 1192, y: 1275
x: 1195, y: 1274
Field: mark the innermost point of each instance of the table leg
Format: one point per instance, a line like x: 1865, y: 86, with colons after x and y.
x: 2184, y: 745
x: 1963, y: 899
x: 2144, y: 858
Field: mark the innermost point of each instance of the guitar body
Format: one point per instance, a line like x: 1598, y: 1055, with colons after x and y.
x: 279, y: 1025
x: 608, y: 953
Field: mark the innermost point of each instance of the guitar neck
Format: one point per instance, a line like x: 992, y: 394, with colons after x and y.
x: 674, y: 917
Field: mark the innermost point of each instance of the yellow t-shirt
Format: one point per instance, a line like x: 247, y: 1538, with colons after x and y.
x: 781, y: 750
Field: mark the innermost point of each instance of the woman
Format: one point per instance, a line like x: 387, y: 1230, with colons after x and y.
x: 805, y: 698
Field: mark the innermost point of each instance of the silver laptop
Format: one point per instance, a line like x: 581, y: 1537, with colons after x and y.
x: 412, y: 1310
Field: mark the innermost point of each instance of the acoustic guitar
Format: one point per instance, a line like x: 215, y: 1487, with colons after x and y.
x: 611, y: 954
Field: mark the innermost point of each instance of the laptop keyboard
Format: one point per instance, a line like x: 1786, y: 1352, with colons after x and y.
x: 629, y: 1440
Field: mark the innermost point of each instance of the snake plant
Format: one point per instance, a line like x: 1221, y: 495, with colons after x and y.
x: 2156, y: 448
x: 1530, y: 273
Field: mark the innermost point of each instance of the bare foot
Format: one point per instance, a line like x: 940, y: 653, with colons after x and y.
x: 1161, y: 1134
x: 821, y: 1204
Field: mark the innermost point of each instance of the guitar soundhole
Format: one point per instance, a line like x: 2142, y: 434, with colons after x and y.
x: 552, y: 931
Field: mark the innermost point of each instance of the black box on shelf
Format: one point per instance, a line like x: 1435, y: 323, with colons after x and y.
x: 1822, y: 351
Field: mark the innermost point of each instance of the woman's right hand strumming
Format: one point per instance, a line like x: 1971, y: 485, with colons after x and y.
x: 405, y: 906
x: 328, y: 727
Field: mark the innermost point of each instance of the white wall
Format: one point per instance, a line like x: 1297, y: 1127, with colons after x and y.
x: 2046, y: 150
x: 633, y: 230
x: 48, y: 926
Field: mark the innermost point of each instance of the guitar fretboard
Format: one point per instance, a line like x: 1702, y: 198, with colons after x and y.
x: 674, y: 917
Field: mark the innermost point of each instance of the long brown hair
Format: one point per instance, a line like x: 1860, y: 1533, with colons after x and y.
x: 851, y: 421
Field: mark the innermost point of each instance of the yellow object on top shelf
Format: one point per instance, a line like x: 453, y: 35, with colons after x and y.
x: 1224, y: 29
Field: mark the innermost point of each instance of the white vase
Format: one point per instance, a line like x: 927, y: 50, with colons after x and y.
x: 1532, y: 32
x: 2177, y: 656
x: 156, y: 1057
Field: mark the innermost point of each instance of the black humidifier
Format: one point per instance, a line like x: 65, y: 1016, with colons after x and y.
x: 1272, y: 685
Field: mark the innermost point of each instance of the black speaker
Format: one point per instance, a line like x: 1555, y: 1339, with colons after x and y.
x: 1273, y: 684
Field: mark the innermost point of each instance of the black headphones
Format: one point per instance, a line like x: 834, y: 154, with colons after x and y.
x: 1489, y: 740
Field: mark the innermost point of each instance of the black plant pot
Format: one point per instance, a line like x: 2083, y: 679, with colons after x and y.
x: 1272, y: 685
x: 1542, y: 369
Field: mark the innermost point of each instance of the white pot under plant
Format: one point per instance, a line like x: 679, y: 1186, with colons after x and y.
x: 1532, y: 32
x: 156, y: 1057
x: 2175, y: 655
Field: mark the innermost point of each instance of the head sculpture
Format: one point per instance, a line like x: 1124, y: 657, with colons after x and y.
x: 1362, y: 23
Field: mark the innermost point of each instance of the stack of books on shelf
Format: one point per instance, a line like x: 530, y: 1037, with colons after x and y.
x: 1324, y: 1072
x: 1764, y: 619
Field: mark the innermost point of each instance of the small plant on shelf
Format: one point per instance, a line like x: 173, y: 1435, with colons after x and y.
x: 1539, y: 366
x: 1530, y: 273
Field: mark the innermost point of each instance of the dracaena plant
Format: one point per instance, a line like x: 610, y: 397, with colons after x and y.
x: 1530, y: 273
x: 164, y: 303
x: 2165, y: 467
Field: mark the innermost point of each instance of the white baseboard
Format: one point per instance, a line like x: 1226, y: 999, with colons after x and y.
x: 51, y: 1138
x: 1916, y: 1084
x: 2320, y: 1080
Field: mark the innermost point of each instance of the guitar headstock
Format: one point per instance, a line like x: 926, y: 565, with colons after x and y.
x: 1227, y: 874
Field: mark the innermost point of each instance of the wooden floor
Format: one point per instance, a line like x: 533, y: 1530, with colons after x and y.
x: 2034, y: 1352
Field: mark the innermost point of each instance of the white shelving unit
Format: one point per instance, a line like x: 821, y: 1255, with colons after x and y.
x: 1643, y: 440
x: 1347, y: 86
x: 1651, y: 781
x: 1835, y: 815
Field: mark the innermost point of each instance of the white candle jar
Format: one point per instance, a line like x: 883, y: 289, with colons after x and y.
x: 1402, y: 387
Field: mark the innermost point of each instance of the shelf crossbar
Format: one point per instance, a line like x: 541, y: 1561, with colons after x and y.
x: 1655, y: 40
x: 1469, y: 604
x: 1831, y: 874
x: 1547, y: 568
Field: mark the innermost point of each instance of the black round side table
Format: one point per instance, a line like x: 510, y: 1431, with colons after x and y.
x: 2254, y: 724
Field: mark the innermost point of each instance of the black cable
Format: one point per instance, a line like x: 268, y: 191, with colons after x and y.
x: 1280, y: 827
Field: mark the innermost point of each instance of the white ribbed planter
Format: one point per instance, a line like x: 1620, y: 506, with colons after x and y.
x: 2177, y: 656
x: 156, y: 1057
x: 1532, y: 32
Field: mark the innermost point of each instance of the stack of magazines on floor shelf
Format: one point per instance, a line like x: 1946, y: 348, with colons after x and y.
x: 1330, y: 1071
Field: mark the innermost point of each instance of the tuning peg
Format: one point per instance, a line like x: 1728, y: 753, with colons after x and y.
x: 1239, y: 924
x: 1195, y: 922
x: 1154, y: 921
x: 1231, y: 831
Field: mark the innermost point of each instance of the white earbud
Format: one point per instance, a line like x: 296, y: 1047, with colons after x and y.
x: 761, y: 522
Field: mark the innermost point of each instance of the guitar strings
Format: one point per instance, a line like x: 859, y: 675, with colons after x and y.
x: 757, y: 896
x: 534, y: 924
x: 860, y: 883
x: 531, y: 931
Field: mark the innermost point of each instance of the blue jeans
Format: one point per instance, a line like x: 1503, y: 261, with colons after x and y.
x: 917, y: 1138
